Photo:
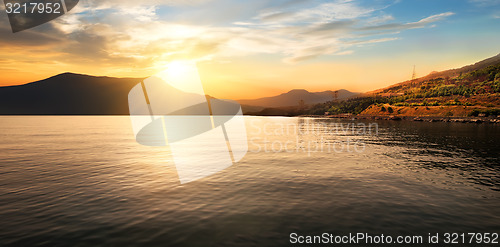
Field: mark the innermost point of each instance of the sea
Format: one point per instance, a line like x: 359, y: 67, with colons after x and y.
x: 85, y: 181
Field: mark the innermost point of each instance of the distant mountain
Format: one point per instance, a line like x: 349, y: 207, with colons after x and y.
x: 293, y: 97
x: 77, y: 94
x: 68, y: 94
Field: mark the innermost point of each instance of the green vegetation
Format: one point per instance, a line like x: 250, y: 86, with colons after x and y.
x: 352, y: 106
x: 390, y: 110
x: 485, y: 113
x: 482, y: 81
x: 478, y: 87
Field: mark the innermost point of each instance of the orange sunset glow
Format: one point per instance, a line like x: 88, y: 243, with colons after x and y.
x: 315, y: 46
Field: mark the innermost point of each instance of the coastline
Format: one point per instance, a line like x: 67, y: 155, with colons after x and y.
x: 430, y: 119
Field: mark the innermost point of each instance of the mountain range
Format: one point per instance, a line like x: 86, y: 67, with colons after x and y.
x: 294, y: 97
x: 77, y: 94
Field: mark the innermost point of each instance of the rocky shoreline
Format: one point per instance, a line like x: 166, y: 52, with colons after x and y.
x: 476, y: 120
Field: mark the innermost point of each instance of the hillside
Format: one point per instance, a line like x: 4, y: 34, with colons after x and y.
x: 468, y: 91
x: 452, y: 73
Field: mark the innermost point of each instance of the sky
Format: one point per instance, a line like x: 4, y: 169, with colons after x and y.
x: 250, y: 49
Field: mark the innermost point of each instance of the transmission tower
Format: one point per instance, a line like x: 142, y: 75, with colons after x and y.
x: 413, y: 76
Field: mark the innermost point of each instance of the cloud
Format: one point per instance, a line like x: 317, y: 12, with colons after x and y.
x: 325, y: 12
x: 347, y: 52
x: 402, y: 26
x: 329, y: 34
x: 28, y: 38
x: 277, y: 16
x: 488, y: 7
x: 380, y: 19
x: 146, y: 35
x: 435, y: 18
x: 330, y: 28
x: 310, y: 53
x: 115, y: 4
x: 485, y: 3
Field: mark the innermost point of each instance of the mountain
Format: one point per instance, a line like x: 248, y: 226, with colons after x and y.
x: 452, y: 73
x: 77, y: 94
x: 472, y: 90
x: 466, y: 69
x: 293, y: 97
x: 474, y: 87
x: 68, y: 94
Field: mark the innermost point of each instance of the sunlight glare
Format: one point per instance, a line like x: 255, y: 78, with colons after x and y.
x: 182, y: 75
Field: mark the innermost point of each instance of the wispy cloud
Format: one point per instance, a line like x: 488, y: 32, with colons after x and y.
x: 488, y: 7
x: 485, y: 2
x: 148, y: 34
x: 329, y: 29
x: 401, y: 26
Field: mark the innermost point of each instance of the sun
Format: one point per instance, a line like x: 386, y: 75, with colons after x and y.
x: 183, y: 75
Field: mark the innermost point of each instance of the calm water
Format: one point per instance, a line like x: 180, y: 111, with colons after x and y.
x: 84, y: 181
